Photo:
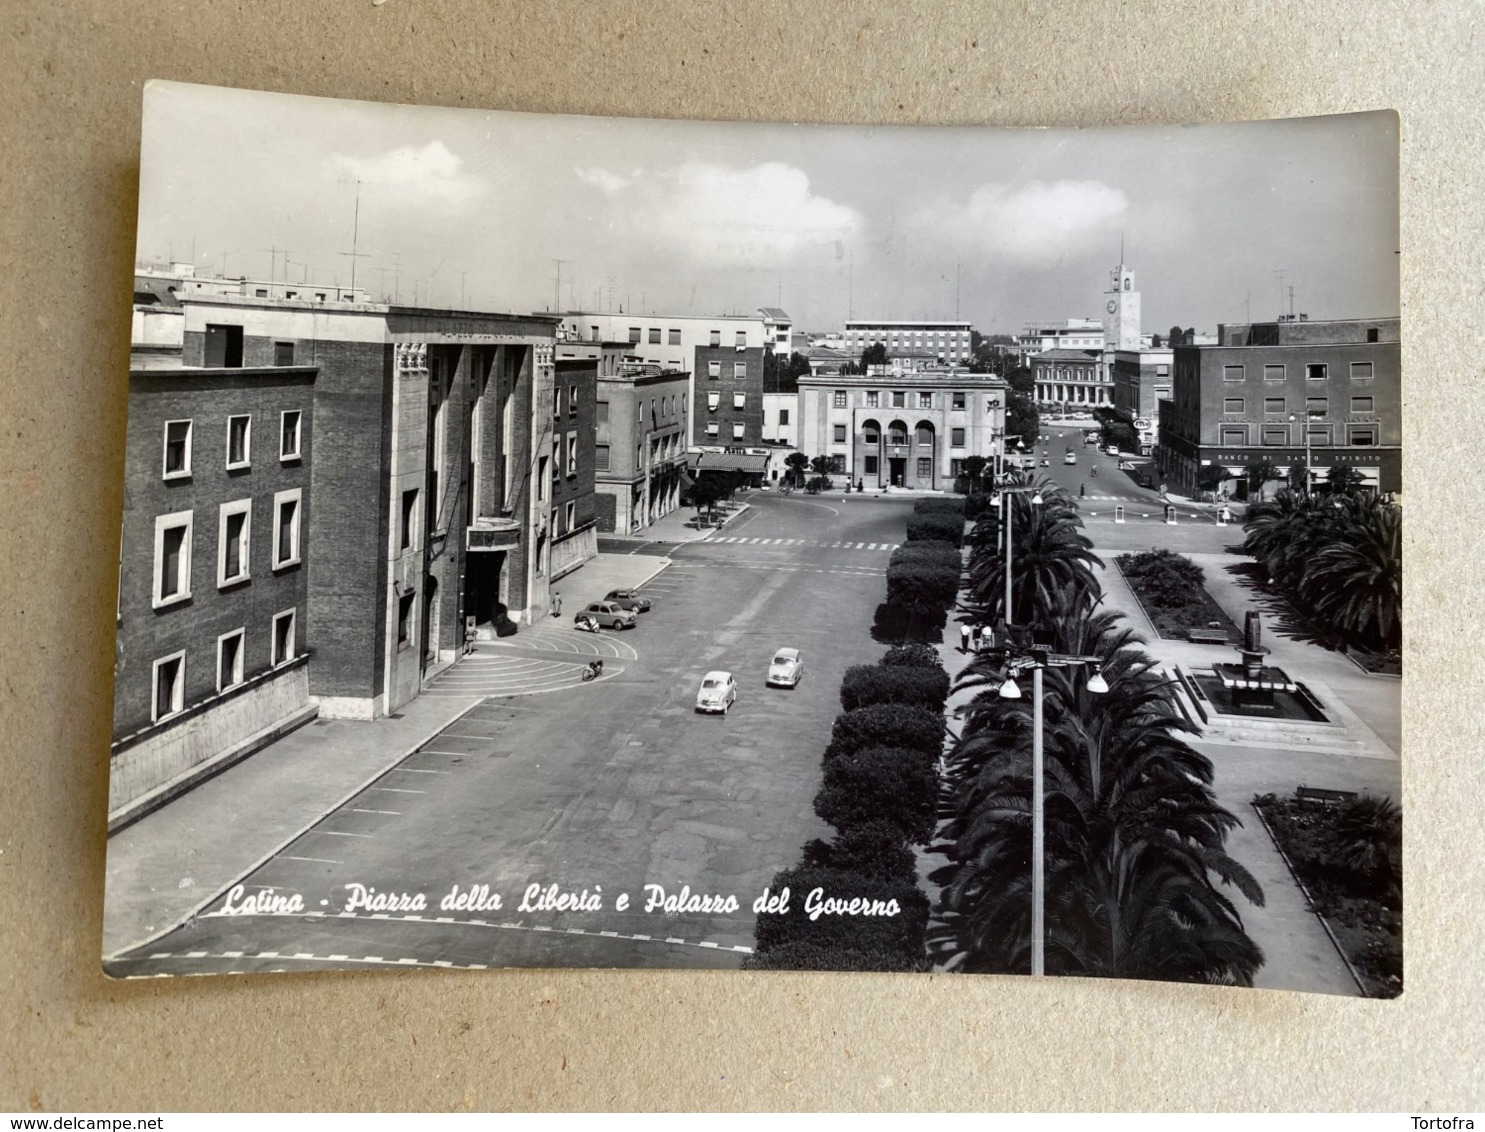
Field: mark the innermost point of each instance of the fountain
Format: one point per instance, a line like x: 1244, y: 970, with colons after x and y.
x: 1255, y: 689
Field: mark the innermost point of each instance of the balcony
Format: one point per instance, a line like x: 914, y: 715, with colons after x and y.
x: 492, y: 533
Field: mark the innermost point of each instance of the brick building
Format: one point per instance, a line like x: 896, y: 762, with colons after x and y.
x: 729, y: 397
x: 1142, y: 379
x: 574, y: 504
x: 902, y: 429
x: 214, y: 565
x: 433, y: 485
x: 1265, y: 387
x: 640, y: 444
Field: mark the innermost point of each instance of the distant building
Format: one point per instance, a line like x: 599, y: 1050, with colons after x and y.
x: 214, y: 562
x: 905, y: 428
x: 1074, y: 334
x: 778, y: 331
x: 780, y: 418
x: 1070, y: 379
x: 1265, y: 387
x: 433, y: 478
x: 947, y: 342
x: 1142, y: 379
x: 824, y: 359
x: 641, y: 443
x: 574, y: 483
x: 729, y: 397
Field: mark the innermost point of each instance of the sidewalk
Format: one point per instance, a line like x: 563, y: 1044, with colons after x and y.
x: 166, y: 866
x: 595, y: 578
x: 673, y: 528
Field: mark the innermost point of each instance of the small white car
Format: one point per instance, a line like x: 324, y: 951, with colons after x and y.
x: 1112, y: 450
x: 1070, y: 458
x: 718, y: 692
x: 785, y: 669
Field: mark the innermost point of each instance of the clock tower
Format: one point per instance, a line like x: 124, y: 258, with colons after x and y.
x: 1121, y: 312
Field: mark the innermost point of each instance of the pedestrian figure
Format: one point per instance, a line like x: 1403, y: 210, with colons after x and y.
x: 964, y: 638
x: 556, y: 605
x: 974, y: 638
x: 1082, y: 490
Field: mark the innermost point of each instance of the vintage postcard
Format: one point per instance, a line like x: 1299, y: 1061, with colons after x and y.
x: 575, y: 542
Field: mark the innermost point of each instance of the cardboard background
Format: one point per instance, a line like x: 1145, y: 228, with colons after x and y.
x: 70, y: 79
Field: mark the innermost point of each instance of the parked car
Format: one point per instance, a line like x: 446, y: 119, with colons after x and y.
x: 609, y: 615
x: 786, y: 668
x: 1144, y: 480
x: 1070, y: 458
x: 1112, y: 450
x: 718, y: 692
x: 628, y: 599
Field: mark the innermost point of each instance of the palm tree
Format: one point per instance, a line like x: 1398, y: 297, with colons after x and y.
x: 1354, y: 581
x: 1134, y: 835
x: 1342, y: 479
x: 1051, y: 561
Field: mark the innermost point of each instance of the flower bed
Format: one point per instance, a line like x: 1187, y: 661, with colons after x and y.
x: 1348, y: 857
x: 1170, y: 590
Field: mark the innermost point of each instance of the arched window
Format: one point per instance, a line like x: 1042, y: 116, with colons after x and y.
x: 925, y: 434
x: 871, y: 433
x: 897, y: 433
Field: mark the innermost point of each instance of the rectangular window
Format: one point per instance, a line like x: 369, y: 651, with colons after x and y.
x: 223, y: 346
x: 169, y: 687
x: 739, y: 430
x: 1162, y: 391
x: 1317, y: 371
x: 556, y: 400
x: 556, y: 461
x: 674, y: 337
x: 1273, y: 406
x: 634, y: 335
x: 715, y: 338
x: 925, y: 400
x: 958, y: 402
x: 838, y: 399
x: 286, y: 527
x: 713, y: 369
x: 172, y: 558
x: 1232, y: 404
x: 713, y: 402
x: 570, y: 516
x: 1232, y: 373
x: 1361, y: 371
x: 739, y: 369
x: 601, y: 412
x: 1362, y: 436
x: 839, y: 434
x: 1234, y: 436
x: 1275, y: 437
x: 742, y: 339
x: 871, y: 465
x: 1273, y: 372
x: 234, y: 528
x: 783, y: 416
x: 595, y: 334
x: 239, y: 441
x: 541, y: 480
x: 956, y: 438
x: 409, y: 518
x: 925, y: 467
x: 872, y: 399
x: 260, y: 293
x: 572, y: 459
x: 739, y: 400
x: 288, y: 435
x: 405, y: 606
x: 899, y: 399
x: 177, y: 449
x: 229, y: 659
x: 713, y: 429
x: 654, y: 336
x: 1317, y: 406
x: 600, y: 457
x: 283, y: 638
x: 1363, y: 404
x: 283, y: 353
x: 1162, y: 371
x: 572, y: 400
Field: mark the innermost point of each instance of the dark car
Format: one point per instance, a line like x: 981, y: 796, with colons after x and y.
x: 1144, y: 480
x: 609, y: 615
x: 628, y: 599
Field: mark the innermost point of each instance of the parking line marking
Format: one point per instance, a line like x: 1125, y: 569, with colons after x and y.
x: 389, y: 813
x: 338, y: 833
x: 396, y: 790
x: 316, y: 860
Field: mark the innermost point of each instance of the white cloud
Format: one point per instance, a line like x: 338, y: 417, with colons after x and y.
x: 409, y: 175
x: 1035, y: 224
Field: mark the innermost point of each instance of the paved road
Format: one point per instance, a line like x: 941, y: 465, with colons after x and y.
x: 606, y: 787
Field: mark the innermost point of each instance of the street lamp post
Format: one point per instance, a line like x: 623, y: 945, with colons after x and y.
x: 1310, y: 414
x: 1002, y: 497
x: 1038, y: 658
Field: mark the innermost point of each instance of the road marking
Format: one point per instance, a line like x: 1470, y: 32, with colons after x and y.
x: 416, y: 770
x: 316, y: 860
x: 389, y: 813
x: 395, y: 790
x: 338, y: 833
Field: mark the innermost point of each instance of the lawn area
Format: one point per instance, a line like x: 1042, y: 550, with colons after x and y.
x: 1348, y: 857
x: 1169, y: 586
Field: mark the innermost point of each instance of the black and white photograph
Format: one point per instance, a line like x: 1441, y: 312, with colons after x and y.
x: 557, y: 541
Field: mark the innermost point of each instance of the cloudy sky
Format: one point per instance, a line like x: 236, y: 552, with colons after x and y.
x: 474, y: 208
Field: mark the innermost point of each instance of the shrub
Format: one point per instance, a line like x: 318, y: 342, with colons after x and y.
x: 887, y: 725
x: 928, y: 550
x: 938, y: 506
x: 912, y: 656
x: 935, y: 528
x: 881, y: 784
x: 976, y: 507
x: 874, y: 850
x: 920, y: 587
x: 866, y: 684
x: 792, y: 941
x: 1163, y: 577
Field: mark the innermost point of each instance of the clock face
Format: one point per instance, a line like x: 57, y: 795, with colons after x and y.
x: 1113, y: 306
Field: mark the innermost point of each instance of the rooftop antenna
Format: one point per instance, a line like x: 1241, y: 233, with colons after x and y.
x: 956, y: 291
x: 463, y: 278
x: 850, y: 286
x: 1291, y: 302
x: 355, y: 235
x: 397, y: 277
x: 273, y: 262
x: 1283, y: 271
x: 557, y: 302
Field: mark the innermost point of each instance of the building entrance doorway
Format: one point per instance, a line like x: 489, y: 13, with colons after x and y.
x: 483, y: 572
x: 896, y: 469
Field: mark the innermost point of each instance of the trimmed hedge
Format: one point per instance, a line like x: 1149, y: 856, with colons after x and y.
x: 912, y: 656
x: 928, y: 550
x: 939, y: 506
x: 887, y: 725
x: 881, y: 785
x: 978, y: 506
x: 867, y: 684
x: 860, y: 942
x: 875, y: 851
x: 922, y: 586
x: 935, y: 528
